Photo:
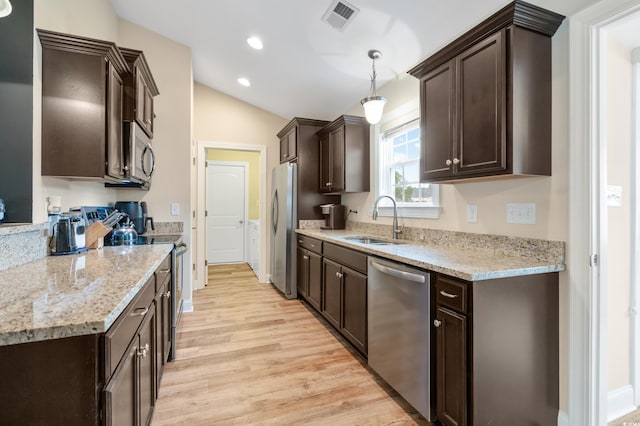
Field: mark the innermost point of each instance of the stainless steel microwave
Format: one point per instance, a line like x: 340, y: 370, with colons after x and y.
x: 140, y: 160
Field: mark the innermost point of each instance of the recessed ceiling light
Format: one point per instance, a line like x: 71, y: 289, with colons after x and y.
x: 244, y: 82
x: 255, y: 42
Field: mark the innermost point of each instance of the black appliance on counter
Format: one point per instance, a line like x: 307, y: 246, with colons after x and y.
x: 67, y: 234
x: 137, y: 212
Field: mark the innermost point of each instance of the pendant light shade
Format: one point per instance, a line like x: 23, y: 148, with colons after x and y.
x: 5, y: 8
x: 373, y: 104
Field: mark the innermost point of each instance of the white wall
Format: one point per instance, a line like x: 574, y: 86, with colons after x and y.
x: 618, y: 278
x: 550, y: 194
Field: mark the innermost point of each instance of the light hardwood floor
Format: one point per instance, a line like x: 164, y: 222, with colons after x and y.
x: 247, y: 355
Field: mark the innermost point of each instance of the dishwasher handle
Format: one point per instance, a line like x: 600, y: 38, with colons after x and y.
x: 416, y: 278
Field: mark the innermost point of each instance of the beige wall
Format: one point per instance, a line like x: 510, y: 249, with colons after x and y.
x: 618, y: 279
x: 548, y: 193
x: 251, y: 157
x: 221, y: 118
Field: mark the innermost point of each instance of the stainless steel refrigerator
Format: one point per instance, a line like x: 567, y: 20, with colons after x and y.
x: 283, y: 226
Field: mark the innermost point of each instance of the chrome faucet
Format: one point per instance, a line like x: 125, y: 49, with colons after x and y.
x: 396, y: 230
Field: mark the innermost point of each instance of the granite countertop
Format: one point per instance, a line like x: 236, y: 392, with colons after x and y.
x: 471, y: 264
x: 73, y: 295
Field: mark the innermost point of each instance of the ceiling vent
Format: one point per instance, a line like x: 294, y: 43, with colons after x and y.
x: 339, y: 14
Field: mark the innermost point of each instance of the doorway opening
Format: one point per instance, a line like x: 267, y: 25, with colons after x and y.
x: 255, y: 210
x: 604, y: 347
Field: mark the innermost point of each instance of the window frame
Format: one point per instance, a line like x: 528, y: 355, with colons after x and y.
x: 401, y: 117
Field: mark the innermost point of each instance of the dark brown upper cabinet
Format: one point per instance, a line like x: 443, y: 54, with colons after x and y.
x: 485, y: 99
x: 139, y: 91
x: 345, y: 137
x: 299, y: 144
x: 82, y: 93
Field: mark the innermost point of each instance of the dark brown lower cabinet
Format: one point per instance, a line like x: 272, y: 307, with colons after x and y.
x: 163, y: 327
x: 451, y: 375
x: 344, y: 302
x: 496, y: 350
x: 332, y: 298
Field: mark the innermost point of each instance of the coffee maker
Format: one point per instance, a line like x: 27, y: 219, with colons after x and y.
x: 334, y: 216
x: 137, y: 213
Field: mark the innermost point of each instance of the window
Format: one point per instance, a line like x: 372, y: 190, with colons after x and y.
x: 399, y: 173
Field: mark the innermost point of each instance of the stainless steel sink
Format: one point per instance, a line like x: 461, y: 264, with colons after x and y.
x: 369, y: 240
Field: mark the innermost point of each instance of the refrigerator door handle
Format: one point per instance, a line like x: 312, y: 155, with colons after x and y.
x: 274, y: 212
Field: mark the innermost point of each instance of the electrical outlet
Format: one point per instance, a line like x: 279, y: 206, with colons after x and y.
x: 521, y: 213
x: 175, y: 209
x: 472, y: 213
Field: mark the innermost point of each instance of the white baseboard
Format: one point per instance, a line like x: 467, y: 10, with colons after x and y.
x: 187, y: 306
x: 619, y: 402
x: 563, y: 418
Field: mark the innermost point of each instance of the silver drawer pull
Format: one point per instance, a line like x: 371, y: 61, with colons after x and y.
x: 338, y: 274
x: 140, y: 312
x: 449, y: 295
x: 305, y: 257
x: 300, y: 241
x: 167, y: 294
x: 143, y: 353
x: 164, y: 271
x: 437, y: 323
x: 327, y: 184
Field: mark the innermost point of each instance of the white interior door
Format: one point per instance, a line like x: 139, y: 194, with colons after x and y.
x: 226, y: 211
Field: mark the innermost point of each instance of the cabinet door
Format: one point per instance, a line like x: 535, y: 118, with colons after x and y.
x: 141, y: 87
x: 354, y: 315
x: 481, y: 138
x: 436, y: 122
x: 146, y: 370
x: 336, y: 138
x: 314, y: 277
x: 166, y: 322
x: 303, y: 272
x: 332, y: 300
x: 325, y: 164
x: 115, y: 160
x: 451, y: 367
x: 288, y: 146
x: 148, y: 110
x: 120, y: 395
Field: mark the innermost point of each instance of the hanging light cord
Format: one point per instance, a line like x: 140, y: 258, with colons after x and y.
x: 373, y: 78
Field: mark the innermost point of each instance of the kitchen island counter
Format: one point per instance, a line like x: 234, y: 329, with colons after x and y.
x: 73, y: 295
x: 492, y: 256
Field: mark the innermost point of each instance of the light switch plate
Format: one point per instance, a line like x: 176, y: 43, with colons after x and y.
x: 521, y: 213
x: 175, y: 209
x: 472, y: 213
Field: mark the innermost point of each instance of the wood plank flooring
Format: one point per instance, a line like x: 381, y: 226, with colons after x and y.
x: 247, y: 355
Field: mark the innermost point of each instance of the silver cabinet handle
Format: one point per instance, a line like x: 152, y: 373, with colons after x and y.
x: 338, y: 274
x: 140, y: 312
x: 437, y: 323
x: 305, y: 257
x: 327, y: 184
x: 448, y: 162
x: 164, y: 271
x: 300, y: 241
x: 449, y: 295
x: 456, y: 161
x: 143, y: 353
x: 167, y: 294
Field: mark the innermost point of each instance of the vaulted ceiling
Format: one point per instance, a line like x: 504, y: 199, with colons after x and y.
x: 307, y: 68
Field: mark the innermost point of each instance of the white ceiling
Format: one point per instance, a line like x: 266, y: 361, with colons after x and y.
x: 307, y: 68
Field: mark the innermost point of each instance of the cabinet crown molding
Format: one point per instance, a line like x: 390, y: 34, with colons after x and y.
x: 519, y: 13
x: 342, y: 121
x: 297, y: 121
x: 85, y: 45
x: 132, y: 56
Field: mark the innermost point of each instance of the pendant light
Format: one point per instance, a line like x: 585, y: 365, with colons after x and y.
x: 5, y: 8
x: 373, y: 104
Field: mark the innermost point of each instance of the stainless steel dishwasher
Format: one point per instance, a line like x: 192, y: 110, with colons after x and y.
x: 398, y: 305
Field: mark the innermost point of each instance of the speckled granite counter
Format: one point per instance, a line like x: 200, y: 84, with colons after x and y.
x: 465, y: 262
x: 63, y: 296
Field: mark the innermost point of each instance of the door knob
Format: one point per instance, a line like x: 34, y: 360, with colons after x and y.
x: 448, y: 162
x: 456, y: 161
x: 437, y: 323
x: 241, y: 222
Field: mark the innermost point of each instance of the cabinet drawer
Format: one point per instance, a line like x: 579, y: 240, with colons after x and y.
x: 347, y: 257
x: 163, y: 272
x: 310, y: 244
x: 119, y: 335
x: 452, y: 293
